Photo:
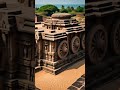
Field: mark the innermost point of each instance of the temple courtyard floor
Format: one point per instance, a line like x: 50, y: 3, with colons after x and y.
x: 47, y: 81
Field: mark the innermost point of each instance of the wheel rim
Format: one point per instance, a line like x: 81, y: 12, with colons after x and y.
x: 97, y: 46
x: 75, y: 43
x: 117, y: 40
x: 63, y: 49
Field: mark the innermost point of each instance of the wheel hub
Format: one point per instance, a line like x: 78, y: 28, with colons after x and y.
x: 75, y: 44
x: 63, y: 49
x: 100, y: 43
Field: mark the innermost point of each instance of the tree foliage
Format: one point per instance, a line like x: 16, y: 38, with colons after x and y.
x: 69, y: 9
x: 63, y: 10
x: 63, y: 7
x: 48, y: 9
x: 79, y: 9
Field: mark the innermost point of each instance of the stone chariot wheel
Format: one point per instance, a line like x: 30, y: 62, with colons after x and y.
x: 97, y: 41
x: 63, y: 49
x: 75, y: 44
x: 83, y: 41
x: 115, y: 38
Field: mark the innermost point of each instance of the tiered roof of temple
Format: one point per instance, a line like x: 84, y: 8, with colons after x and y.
x: 58, y: 26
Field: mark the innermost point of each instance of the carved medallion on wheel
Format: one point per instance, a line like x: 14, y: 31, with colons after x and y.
x: 63, y: 49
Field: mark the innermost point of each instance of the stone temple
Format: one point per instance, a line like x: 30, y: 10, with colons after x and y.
x: 59, y: 42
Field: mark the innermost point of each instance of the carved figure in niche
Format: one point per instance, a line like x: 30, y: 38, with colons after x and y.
x: 2, y: 51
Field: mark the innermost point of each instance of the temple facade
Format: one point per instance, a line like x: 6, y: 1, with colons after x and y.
x: 58, y: 42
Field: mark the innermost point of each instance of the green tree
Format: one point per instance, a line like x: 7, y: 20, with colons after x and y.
x: 79, y: 9
x: 36, y: 8
x: 63, y: 10
x: 48, y: 9
x: 62, y: 7
x: 72, y: 8
x: 69, y: 9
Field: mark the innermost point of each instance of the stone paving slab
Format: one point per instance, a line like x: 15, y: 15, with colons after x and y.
x: 79, y: 84
x: 72, y: 88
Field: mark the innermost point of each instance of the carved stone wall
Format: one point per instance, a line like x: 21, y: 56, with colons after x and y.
x: 17, y: 45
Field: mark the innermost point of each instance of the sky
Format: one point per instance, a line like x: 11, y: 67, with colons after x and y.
x: 59, y: 1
